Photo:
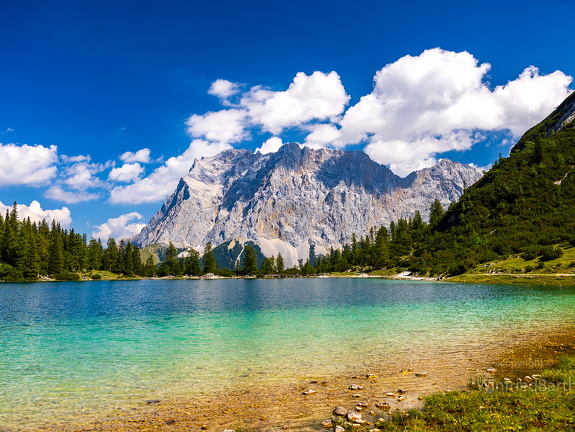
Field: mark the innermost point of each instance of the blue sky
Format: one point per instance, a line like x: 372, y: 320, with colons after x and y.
x: 104, y: 105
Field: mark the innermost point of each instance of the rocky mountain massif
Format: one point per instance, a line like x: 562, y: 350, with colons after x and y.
x: 297, y: 197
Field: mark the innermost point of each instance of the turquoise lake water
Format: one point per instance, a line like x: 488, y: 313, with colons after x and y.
x: 73, y: 349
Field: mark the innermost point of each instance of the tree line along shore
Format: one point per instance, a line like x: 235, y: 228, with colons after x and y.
x: 39, y: 251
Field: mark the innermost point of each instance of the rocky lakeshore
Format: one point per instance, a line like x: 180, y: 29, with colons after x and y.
x: 363, y: 396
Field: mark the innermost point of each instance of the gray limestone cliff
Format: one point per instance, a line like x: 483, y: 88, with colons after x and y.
x: 296, y: 197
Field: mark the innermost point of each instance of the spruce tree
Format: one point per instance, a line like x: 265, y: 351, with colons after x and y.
x: 94, y: 255
x: 170, y: 264
x: 209, y: 259
x: 250, y: 260
x: 110, y: 258
x: 56, y: 250
x: 436, y: 213
x: 192, y: 263
x: 280, y: 263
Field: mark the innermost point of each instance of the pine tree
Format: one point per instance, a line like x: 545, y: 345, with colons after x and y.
x: 436, y: 213
x: 381, y: 248
x: 110, y: 256
x: 209, y: 259
x: 170, y: 264
x: 11, y: 249
x: 192, y: 263
x: 280, y: 263
x: 127, y: 260
x: 269, y: 265
x: 94, y: 255
x: 28, y: 262
x: 136, y: 259
x: 56, y: 250
x: 250, y: 260
x: 150, y: 268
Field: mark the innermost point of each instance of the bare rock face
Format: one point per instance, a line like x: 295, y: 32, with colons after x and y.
x: 296, y: 197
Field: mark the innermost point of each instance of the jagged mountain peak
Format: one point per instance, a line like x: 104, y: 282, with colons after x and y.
x: 293, y: 198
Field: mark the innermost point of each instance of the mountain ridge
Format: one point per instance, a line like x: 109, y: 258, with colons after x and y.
x: 293, y: 198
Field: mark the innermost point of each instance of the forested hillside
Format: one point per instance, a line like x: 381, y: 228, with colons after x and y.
x: 523, y: 205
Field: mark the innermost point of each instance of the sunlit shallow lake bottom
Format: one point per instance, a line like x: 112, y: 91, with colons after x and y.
x: 73, y: 349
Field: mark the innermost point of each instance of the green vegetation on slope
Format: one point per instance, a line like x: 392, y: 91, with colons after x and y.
x: 522, y: 206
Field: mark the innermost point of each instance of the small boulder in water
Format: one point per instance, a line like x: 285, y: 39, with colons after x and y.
x: 353, y: 416
x: 339, y: 411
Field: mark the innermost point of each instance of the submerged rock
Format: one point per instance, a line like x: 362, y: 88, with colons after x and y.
x: 383, y: 406
x: 339, y: 411
x: 353, y: 416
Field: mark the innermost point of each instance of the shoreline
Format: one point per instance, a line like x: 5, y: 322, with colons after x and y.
x: 271, y: 406
x: 496, y: 278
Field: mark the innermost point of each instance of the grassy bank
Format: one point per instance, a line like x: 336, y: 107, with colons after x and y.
x: 541, y: 403
x: 520, y: 269
x: 540, y: 279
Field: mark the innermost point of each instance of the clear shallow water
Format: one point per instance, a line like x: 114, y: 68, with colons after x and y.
x: 69, y: 349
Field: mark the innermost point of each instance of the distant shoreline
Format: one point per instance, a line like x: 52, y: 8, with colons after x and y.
x: 498, y: 278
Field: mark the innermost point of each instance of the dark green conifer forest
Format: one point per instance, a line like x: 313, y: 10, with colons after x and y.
x: 29, y: 250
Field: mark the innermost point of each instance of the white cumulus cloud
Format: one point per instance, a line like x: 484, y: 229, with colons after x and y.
x: 318, y: 96
x: 26, y: 164
x: 127, y: 173
x: 36, y: 214
x: 272, y: 145
x: 435, y: 102
x: 119, y: 228
x: 83, y: 175
x: 309, y: 98
x: 226, y: 126
x: 142, y: 156
x: 223, y: 89
x: 163, y: 180
x: 322, y: 135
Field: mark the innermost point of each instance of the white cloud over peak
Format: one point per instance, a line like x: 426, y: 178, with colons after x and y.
x: 164, y: 179
x: 127, y: 173
x: 531, y: 97
x: 323, y: 135
x: 26, y: 164
x: 318, y: 96
x: 119, y: 228
x: 420, y: 106
x: 142, y: 156
x: 435, y: 102
x: 36, y: 214
x: 272, y: 145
